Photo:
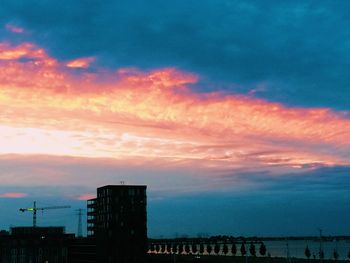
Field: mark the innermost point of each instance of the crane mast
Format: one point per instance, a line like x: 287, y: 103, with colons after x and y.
x: 34, y: 210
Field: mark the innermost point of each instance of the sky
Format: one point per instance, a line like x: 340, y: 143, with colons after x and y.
x: 235, y: 114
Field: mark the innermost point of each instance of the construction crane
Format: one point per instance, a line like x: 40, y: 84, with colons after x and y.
x: 34, y: 209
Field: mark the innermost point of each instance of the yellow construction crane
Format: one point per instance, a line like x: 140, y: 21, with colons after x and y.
x: 34, y: 209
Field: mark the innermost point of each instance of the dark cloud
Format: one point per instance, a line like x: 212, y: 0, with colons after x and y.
x: 332, y: 180
x: 299, y: 50
x: 287, y: 208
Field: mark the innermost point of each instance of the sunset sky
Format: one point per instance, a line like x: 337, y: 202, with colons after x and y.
x: 235, y: 114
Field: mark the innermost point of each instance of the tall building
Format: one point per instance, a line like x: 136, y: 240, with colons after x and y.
x: 117, y: 219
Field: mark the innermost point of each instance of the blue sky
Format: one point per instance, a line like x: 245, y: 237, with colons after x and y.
x: 251, y: 119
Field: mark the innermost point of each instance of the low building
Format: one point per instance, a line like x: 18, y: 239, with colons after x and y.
x: 82, y: 250
x: 35, y: 245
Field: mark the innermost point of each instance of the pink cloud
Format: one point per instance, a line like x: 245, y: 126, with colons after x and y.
x: 14, y: 29
x: 86, y: 196
x: 37, y: 55
x: 13, y: 195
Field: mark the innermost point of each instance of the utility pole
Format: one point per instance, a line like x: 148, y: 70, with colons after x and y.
x: 80, y: 224
x: 288, y: 254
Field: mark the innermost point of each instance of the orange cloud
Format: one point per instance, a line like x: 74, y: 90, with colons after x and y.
x: 132, y: 115
x: 13, y: 195
x: 80, y: 62
x: 25, y: 50
x: 8, y: 52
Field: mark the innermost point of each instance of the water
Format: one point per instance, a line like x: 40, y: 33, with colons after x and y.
x: 297, y: 248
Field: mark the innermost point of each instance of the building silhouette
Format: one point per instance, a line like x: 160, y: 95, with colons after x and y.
x: 35, y: 245
x: 117, y: 219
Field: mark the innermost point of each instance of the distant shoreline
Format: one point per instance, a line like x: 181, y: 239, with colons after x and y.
x: 255, y: 238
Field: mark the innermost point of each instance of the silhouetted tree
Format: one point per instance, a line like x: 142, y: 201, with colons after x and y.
x: 152, y: 248
x: 234, y: 249
x: 252, y: 249
x: 187, y: 248
x: 307, y: 252
x: 181, y: 248
x: 225, y: 249
x: 174, y: 248
x: 157, y: 248
x: 217, y: 249
x: 201, y: 248
x: 335, y: 254
x: 162, y: 248
x: 262, y: 249
x: 194, y: 248
x: 168, y: 248
x: 209, y: 249
x: 243, y: 251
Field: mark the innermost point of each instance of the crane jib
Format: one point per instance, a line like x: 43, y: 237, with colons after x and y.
x: 34, y: 209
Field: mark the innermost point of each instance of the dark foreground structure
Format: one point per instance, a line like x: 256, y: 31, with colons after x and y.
x: 35, y: 244
x: 117, y: 219
x: 117, y: 233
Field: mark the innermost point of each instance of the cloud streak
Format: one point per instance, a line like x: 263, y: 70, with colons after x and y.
x: 14, y: 29
x: 13, y: 195
x: 80, y: 62
x: 86, y: 196
x: 48, y: 108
